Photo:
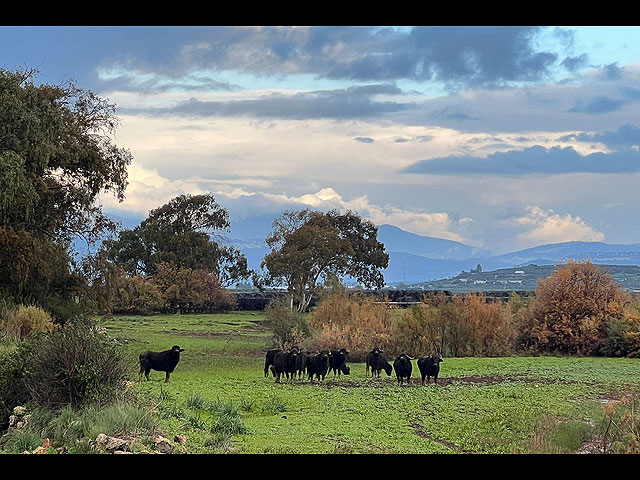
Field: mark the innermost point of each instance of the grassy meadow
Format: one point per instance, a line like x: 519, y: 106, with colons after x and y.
x: 482, y: 405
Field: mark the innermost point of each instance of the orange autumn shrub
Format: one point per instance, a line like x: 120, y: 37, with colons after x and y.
x: 353, y: 322
x: 572, y: 310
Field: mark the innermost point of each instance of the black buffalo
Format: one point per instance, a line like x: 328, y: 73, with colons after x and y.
x: 337, y: 362
x: 301, y: 363
x: 161, y: 361
x: 377, y: 362
x: 429, y: 367
x: 402, y: 366
x: 268, y: 361
x: 318, y: 364
x: 284, y: 362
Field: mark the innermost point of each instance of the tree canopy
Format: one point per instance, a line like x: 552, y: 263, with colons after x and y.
x: 307, y: 246
x: 57, y: 156
x: 180, y: 233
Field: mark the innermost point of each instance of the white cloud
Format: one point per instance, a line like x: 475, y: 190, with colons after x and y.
x: 147, y: 190
x: 545, y: 226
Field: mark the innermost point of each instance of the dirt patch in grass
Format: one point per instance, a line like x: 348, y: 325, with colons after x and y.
x: 446, y: 381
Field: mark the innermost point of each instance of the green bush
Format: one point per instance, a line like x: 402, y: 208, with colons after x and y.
x: 18, y: 441
x: 288, y: 326
x: 13, y: 370
x: 75, y: 365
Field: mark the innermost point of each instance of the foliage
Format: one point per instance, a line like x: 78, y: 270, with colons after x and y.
x: 73, y: 428
x: 289, y: 327
x: 199, y: 287
x: 353, y: 322
x: 13, y: 370
x: 180, y: 233
x: 465, y: 326
x: 56, y: 157
x: 138, y: 296
x: 307, y: 246
x: 622, y: 425
x: 75, y: 365
x: 572, y: 309
x: 21, y: 321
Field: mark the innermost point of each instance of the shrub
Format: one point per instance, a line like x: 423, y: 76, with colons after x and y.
x: 423, y: 330
x: 491, y: 326
x: 73, y: 428
x: 138, y: 296
x: 572, y: 308
x: 20, y: 322
x: 13, y: 370
x: 466, y: 326
x: 18, y: 441
x: 75, y: 365
x: 353, y: 322
x: 288, y: 326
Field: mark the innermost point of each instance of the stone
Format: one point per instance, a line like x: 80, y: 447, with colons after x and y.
x: 181, y: 439
x: 19, y: 410
x: 111, y: 444
x: 163, y: 445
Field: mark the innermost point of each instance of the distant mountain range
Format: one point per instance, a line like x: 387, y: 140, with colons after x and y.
x: 416, y: 258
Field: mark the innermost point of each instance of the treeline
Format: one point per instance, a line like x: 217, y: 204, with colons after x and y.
x: 579, y: 310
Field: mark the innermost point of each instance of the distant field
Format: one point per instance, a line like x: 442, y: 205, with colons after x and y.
x: 483, y: 405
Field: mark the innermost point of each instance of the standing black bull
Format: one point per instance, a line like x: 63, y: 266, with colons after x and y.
x: 284, y: 362
x: 268, y: 361
x: 429, y: 367
x: 377, y: 362
x: 337, y: 362
x: 318, y: 365
x: 402, y: 366
x: 161, y: 361
x: 301, y: 363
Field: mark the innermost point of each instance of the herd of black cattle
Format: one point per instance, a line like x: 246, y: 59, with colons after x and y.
x: 295, y: 363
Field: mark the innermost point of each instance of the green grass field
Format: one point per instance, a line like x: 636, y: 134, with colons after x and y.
x: 482, y: 405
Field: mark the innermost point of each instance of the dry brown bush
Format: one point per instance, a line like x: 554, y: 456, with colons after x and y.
x: 353, y: 322
x: 20, y: 322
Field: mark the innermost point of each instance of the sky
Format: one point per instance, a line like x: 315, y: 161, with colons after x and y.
x: 502, y: 138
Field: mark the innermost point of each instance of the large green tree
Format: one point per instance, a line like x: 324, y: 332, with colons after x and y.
x: 308, y: 246
x: 181, y: 233
x: 57, y: 156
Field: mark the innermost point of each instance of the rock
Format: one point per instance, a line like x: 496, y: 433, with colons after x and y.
x: 40, y: 451
x: 163, y: 445
x: 24, y: 422
x: 111, y: 444
x: 181, y: 439
x: 19, y: 411
x: 13, y: 420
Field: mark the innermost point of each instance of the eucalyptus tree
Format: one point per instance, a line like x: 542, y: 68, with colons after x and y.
x: 309, y: 246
